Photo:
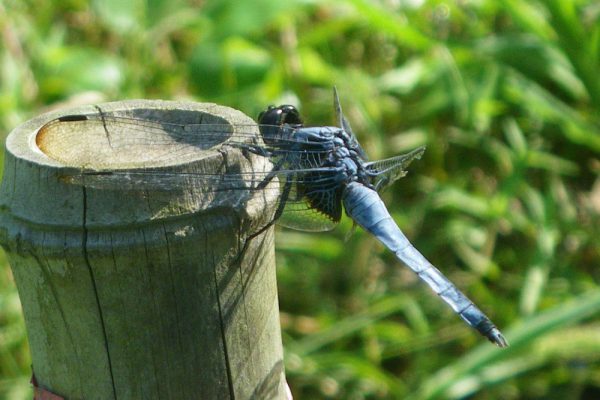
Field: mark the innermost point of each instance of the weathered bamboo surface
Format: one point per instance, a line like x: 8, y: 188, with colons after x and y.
x: 132, y: 293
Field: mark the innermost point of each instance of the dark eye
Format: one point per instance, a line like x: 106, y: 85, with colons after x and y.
x: 285, y: 114
x: 266, y: 115
x: 291, y: 115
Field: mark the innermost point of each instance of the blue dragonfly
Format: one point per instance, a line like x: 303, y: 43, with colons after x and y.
x: 314, y: 173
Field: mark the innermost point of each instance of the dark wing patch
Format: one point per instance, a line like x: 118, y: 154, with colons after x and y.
x: 328, y: 202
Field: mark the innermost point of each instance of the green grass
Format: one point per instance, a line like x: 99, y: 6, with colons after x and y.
x: 506, y: 200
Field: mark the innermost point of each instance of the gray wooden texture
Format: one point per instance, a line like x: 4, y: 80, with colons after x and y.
x: 135, y: 294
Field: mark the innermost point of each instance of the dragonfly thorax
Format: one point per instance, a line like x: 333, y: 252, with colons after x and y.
x: 346, y: 161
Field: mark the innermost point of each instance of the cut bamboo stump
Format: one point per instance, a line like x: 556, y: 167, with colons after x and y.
x: 131, y: 294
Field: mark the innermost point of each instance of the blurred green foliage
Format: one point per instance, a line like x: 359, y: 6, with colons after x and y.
x: 506, y: 201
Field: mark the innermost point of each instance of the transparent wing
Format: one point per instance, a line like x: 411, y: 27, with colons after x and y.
x: 309, y: 201
x: 310, y: 204
x: 345, y: 125
x: 145, y: 140
x: 388, y: 171
x: 302, y: 217
x: 315, y: 203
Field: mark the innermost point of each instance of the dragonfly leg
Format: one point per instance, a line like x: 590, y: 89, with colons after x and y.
x: 280, y: 207
x: 255, y: 149
x: 271, y: 174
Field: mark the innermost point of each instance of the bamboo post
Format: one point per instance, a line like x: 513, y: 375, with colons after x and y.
x: 131, y: 294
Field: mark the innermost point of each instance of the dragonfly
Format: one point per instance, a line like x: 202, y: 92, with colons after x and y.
x: 315, y: 173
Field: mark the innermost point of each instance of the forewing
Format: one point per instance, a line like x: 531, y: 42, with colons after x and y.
x: 143, y: 142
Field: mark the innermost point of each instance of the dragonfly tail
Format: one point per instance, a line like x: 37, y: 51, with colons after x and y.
x: 366, y: 208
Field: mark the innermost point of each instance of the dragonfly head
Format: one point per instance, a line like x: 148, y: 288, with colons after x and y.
x: 273, y: 119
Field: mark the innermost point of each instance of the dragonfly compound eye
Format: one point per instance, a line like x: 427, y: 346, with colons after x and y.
x: 284, y: 114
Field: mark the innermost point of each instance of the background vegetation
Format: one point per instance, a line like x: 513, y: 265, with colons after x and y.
x: 506, y: 201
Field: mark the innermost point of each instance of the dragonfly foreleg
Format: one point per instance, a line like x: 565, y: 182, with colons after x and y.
x: 253, y: 148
